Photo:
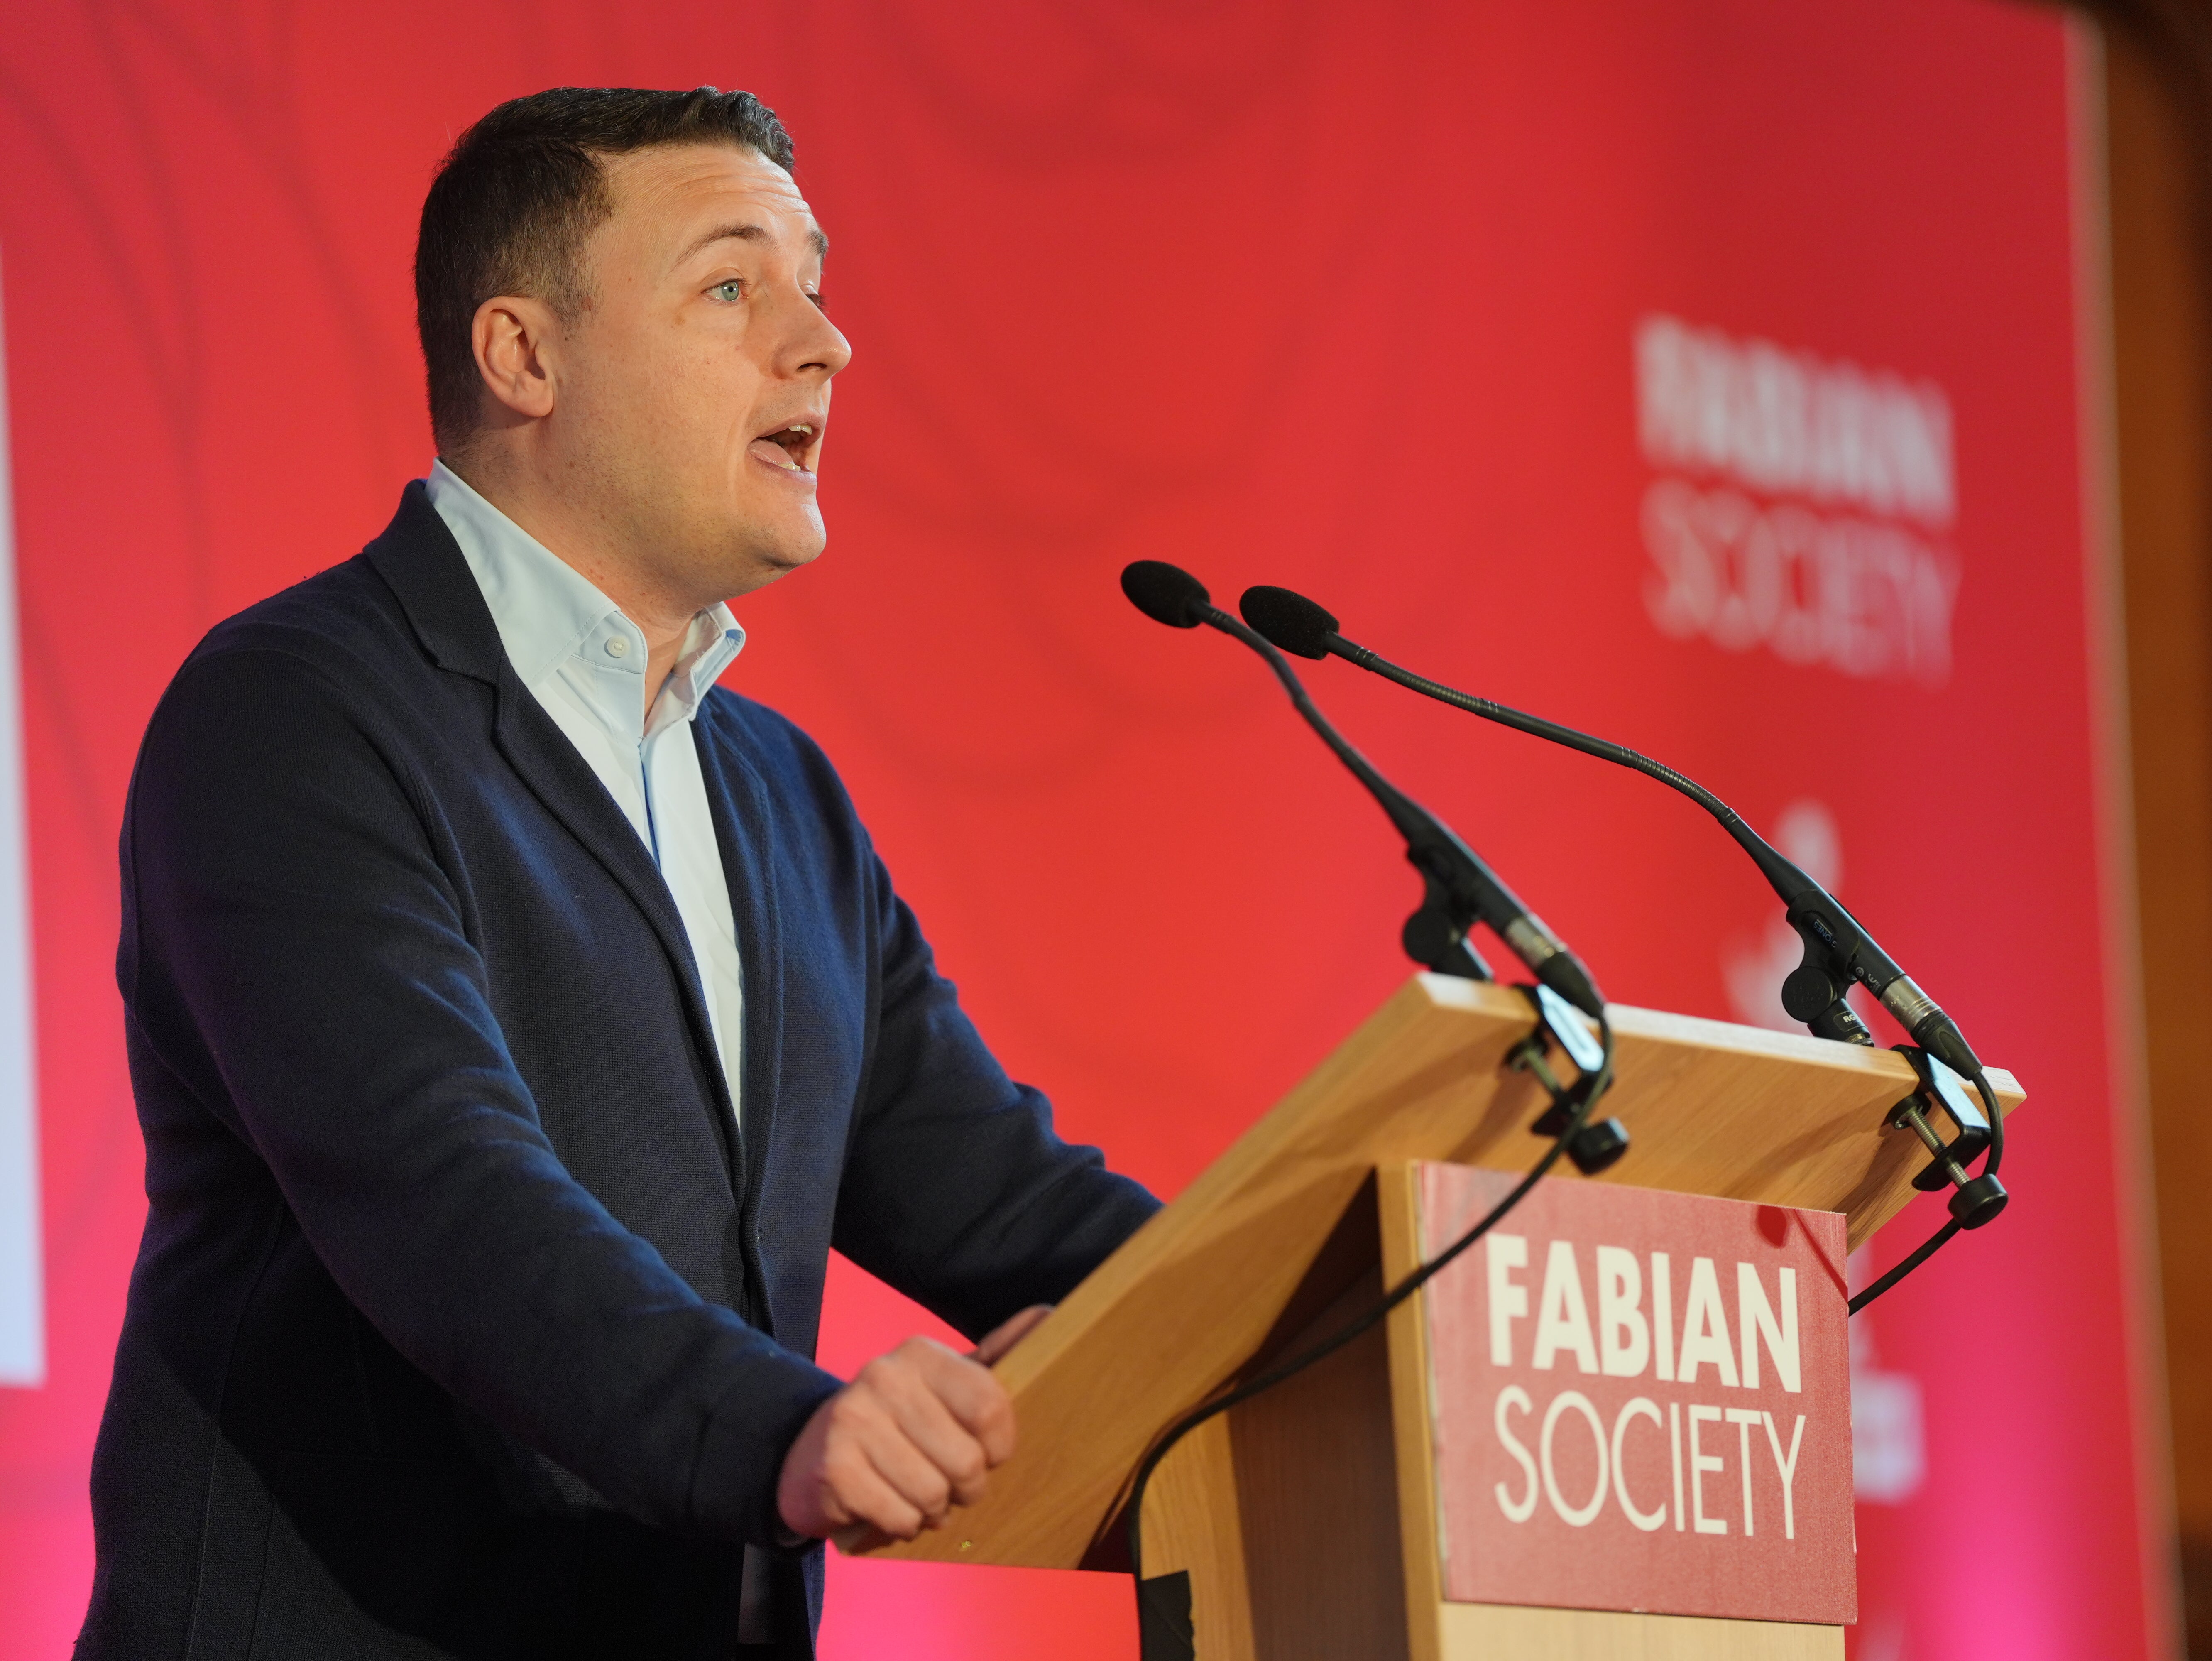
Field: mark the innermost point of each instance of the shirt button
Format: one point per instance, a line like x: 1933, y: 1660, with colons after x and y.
x: 617, y: 646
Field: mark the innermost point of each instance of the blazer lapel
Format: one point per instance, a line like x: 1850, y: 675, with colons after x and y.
x: 744, y: 831
x: 540, y: 751
x: 418, y: 557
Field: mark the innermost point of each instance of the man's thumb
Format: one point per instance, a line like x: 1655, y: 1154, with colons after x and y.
x: 1006, y: 1336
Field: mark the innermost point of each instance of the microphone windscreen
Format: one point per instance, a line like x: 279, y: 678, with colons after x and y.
x: 1166, y: 593
x: 1290, y: 621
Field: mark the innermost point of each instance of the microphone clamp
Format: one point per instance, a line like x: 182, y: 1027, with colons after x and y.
x: 1974, y: 1200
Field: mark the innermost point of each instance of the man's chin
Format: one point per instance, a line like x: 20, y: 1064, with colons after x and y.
x: 762, y: 560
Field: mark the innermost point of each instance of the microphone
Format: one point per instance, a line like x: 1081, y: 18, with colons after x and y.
x: 1460, y: 889
x: 1838, y: 950
x: 1168, y: 594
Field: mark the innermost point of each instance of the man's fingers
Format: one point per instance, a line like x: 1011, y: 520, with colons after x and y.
x: 853, y: 1467
x: 863, y: 1494
x: 969, y: 1392
x: 920, y: 1482
x: 1007, y: 1334
x: 916, y: 1434
x: 909, y: 1388
x: 951, y: 1449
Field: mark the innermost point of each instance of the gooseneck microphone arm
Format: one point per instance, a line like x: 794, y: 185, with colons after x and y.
x: 1460, y: 889
x: 1838, y: 949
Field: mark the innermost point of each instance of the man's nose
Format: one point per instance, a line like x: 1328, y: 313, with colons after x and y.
x: 813, y: 343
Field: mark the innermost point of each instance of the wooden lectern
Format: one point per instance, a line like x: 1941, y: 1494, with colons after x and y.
x: 1306, y: 1518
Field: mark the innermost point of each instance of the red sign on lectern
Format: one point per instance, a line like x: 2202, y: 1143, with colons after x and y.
x: 1641, y: 1401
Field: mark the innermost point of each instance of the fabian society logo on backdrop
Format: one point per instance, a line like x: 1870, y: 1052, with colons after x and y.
x: 1800, y: 505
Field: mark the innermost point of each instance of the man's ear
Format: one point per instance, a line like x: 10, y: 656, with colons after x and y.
x: 515, y: 341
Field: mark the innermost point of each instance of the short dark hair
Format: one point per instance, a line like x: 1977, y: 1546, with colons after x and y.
x: 515, y: 199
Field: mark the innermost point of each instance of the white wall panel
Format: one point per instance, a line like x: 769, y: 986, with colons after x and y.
x: 23, y: 1315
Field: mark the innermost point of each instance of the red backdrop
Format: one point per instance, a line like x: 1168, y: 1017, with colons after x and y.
x: 1345, y: 298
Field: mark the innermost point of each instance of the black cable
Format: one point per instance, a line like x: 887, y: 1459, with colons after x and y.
x: 1927, y: 1249
x: 1587, y: 1089
x: 1934, y: 1243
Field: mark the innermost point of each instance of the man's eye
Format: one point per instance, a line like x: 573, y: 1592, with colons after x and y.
x: 734, y: 290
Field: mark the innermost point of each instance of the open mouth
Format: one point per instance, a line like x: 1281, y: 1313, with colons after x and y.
x: 787, y: 447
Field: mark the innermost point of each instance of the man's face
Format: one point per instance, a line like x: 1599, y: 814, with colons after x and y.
x: 694, y: 387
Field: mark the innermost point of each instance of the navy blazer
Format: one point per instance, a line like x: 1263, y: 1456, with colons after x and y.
x: 466, y: 1321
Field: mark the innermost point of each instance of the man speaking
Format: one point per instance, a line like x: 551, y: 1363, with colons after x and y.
x: 517, y: 1019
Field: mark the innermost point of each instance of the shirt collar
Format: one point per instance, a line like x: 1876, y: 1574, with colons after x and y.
x: 712, y: 646
x: 548, y: 612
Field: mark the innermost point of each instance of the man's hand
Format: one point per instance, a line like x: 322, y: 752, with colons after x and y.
x: 914, y: 1434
